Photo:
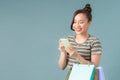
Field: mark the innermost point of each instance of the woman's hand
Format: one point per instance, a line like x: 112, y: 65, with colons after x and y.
x: 71, y: 51
x: 61, y: 47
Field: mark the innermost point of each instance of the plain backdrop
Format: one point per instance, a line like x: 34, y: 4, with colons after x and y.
x: 30, y: 30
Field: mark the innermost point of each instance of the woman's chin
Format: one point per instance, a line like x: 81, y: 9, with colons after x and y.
x: 78, y: 33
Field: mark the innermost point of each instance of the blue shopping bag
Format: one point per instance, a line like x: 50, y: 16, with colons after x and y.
x: 82, y: 72
x: 101, y: 75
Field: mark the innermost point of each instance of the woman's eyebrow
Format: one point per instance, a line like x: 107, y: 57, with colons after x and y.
x: 79, y: 20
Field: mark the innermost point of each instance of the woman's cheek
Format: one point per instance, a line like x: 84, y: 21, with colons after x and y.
x: 73, y: 27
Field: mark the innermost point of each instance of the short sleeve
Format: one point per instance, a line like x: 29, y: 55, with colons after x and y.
x: 96, y: 47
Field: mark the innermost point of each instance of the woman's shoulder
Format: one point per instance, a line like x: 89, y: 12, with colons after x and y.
x: 93, y: 37
x: 71, y: 36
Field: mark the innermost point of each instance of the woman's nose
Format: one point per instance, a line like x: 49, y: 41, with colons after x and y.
x: 77, y: 25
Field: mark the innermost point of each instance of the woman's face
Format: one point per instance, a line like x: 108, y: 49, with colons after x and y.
x: 81, y: 24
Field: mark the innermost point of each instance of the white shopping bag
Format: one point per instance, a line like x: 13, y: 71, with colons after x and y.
x: 82, y: 72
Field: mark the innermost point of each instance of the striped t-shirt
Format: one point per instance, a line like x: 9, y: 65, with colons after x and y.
x: 91, y: 46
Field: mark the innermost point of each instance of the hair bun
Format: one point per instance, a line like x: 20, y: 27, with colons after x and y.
x: 87, y: 8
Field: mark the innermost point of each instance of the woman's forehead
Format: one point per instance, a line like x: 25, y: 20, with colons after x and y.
x: 80, y: 17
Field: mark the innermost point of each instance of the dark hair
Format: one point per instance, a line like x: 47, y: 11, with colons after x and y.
x: 86, y: 10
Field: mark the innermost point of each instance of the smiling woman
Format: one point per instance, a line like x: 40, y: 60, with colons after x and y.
x: 80, y: 24
x: 85, y: 48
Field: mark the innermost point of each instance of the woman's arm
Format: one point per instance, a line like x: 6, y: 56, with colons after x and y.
x: 62, y: 60
x: 95, y: 59
x: 74, y: 54
x: 63, y: 57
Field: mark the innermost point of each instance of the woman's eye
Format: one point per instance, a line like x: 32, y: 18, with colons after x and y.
x: 81, y: 22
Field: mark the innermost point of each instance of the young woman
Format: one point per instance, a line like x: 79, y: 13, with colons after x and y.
x: 85, y: 48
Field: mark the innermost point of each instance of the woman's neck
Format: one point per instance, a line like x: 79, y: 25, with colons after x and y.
x: 81, y: 38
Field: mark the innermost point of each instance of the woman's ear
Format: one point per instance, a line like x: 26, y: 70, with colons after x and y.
x: 89, y: 23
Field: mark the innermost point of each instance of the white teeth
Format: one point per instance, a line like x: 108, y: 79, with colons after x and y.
x: 78, y: 29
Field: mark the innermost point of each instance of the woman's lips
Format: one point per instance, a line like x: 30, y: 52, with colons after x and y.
x: 78, y: 30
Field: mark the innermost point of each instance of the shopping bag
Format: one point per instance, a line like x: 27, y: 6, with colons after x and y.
x: 100, y: 73
x: 82, y: 72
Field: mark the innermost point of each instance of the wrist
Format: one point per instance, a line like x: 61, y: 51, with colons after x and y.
x: 62, y: 51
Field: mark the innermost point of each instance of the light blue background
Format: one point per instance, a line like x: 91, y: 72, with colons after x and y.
x: 30, y: 30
